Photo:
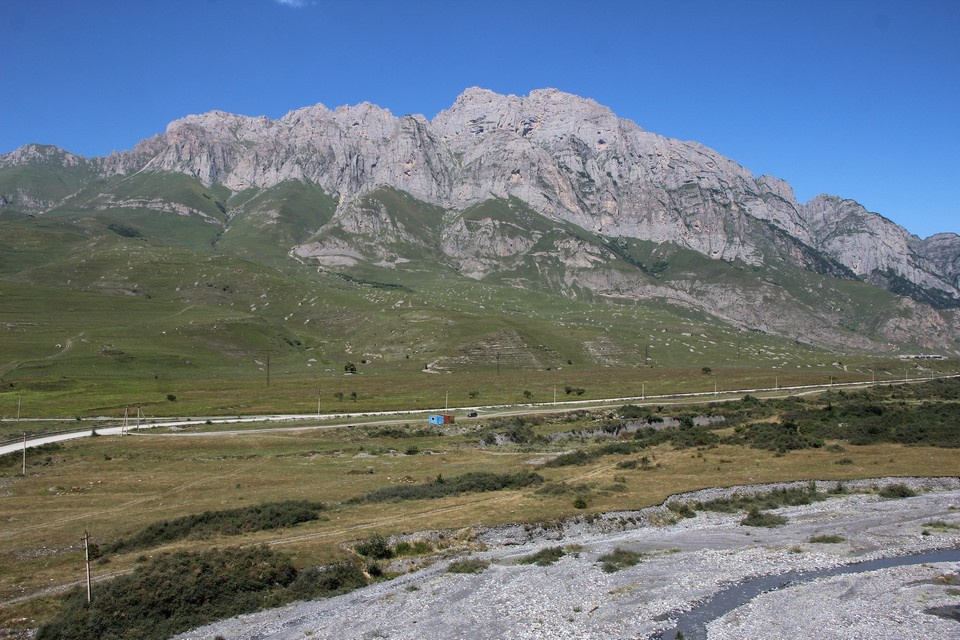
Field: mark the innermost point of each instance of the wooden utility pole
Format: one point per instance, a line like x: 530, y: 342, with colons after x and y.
x: 319, y: 391
x: 24, y: 471
x: 86, y: 554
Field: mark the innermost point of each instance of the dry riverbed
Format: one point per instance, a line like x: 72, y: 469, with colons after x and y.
x: 683, y: 563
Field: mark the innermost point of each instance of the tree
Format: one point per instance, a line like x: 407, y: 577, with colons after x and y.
x: 338, y: 395
x: 350, y: 367
x: 707, y: 371
x: 527, y: 394
x: 473, y: 394
x: 353, y: 396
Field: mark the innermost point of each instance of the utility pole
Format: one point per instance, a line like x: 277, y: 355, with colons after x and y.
x: 643, y: 390
x: 123, y: 428
x: 18, y: 408
x: 714, y: 386
x: 318, y: 402
x: 24, y: 470
x: 86, y: 553
x: 138, y: 416
x: 446, y: 401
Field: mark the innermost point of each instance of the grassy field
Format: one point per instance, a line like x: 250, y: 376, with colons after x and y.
x: 115, y: 486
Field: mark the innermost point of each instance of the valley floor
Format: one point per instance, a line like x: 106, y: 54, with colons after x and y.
x: 684, y: 563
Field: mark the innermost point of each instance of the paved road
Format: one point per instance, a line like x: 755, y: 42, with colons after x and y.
x: 396, y: 417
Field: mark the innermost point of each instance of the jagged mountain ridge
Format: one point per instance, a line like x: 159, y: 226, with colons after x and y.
x: 566, y: 158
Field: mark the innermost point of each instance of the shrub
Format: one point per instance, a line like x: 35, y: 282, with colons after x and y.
x: 323, y: 582
x: 580, y: 503
x: 682, y: 509
x: 897, y: 490
x: 377, y: 547
x: 827, y: 539
x: 757, y: 518
x: 543, y: 557
x: 619, y: 559
x: 171, y: 397
x: 578, y: 457
x: 469, y: 565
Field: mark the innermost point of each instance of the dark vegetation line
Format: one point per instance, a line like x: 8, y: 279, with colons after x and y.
x: 920, y: 415
x: 230, y: 522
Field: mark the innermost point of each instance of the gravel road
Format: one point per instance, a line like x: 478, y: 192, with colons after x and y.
x: 685, y: 563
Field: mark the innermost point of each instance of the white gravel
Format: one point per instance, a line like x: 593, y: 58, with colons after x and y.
x: 688, y: 562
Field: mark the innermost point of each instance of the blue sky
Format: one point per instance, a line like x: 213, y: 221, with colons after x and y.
x: 855, y: 98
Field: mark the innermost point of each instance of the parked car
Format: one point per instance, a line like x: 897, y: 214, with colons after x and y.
x: 472, y: 414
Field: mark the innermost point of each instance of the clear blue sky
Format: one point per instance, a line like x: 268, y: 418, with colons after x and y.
x: 858, y: 98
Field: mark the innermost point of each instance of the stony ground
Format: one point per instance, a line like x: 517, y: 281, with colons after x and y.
x: 684, y: 563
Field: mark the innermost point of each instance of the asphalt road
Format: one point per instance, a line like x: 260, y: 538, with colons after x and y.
x: 341, y: 420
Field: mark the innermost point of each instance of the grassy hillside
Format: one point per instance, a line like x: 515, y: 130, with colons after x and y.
x: 155, y: 285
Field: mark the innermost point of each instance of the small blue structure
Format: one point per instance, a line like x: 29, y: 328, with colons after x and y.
x: 440, y: 419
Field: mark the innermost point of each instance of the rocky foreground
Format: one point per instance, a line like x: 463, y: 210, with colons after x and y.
x: 684, y: 563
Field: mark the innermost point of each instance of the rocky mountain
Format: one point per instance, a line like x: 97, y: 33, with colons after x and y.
x: 548, y: 191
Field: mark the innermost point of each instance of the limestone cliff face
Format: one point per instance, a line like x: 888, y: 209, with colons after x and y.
x: 872, y: 246
x: 567, y: 158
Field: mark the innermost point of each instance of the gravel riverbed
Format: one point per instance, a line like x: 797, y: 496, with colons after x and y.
x: 684, y: 563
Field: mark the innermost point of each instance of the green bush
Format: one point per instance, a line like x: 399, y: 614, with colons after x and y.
x: 324, y: 582
x: 544, y: 557
x: 469, y: 565
x: 619, y: 559
x: 897, y: 490
x: 376, y: 547
x: 827, y: 539
x: 682, y: 509
x: 757, y: 518
x: 578, y: 457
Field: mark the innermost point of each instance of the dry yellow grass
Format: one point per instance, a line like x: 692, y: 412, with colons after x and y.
x: 114, y: 486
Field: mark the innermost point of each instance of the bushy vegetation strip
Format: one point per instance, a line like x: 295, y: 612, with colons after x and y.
x: 784, y: 497
x: 619, y: 559
x: 544, y: 557
x: 177, y: 592
x: 441, y: 487
x: 922, y: 414
x: 229, y: 522
x: 757, y: 518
